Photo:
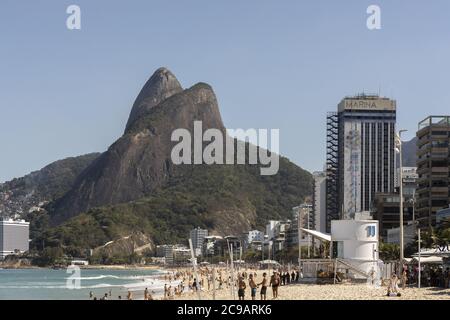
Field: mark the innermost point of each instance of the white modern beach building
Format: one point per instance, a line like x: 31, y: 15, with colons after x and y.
x: 356, y: 242
x: 14, y: 237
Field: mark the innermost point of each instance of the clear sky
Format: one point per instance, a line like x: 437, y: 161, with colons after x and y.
x: 272, y: 64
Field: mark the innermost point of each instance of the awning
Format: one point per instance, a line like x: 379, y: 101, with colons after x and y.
x: 317, y: 234
x: 431, y: 259
x: 436, y: 252
x: 268, y: 262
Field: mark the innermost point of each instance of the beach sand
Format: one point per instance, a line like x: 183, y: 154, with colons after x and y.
x: 333, y: 292
x: 296, y: 291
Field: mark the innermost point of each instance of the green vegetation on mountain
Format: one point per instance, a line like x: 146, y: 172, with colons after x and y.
x: 54, y: 180
x: 224, y: 198
x: 46, y: 184
x: 133, y: 196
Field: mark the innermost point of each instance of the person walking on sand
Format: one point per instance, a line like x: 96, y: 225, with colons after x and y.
x: 253, y: 286
x: 241, y: 290
x: 275, y: 283
x: 263, y: 284
x: 146, y: 294
x: 130, y: 295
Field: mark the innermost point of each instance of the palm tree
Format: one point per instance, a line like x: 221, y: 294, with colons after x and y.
x: 389, y: 251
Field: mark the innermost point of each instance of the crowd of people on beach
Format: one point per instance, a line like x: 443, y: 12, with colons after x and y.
x: 435, y: 276
x: 246, y: 282
x: 431, y: 276
x: 183, y: 281
x: 222, y: 279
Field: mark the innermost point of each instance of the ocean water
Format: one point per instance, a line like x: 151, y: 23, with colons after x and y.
x: 49, y: 284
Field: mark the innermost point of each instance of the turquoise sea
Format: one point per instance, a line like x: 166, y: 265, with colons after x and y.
x: 49, y: 284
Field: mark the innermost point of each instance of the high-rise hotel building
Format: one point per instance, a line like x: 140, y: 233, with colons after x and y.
x: 360, y: 154
x: 433, y: 168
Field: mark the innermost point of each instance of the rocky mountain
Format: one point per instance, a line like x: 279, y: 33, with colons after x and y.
x: 136, y: 243
x: 20, y: 195
x: 140, y: 161
x: 158, y: 88
x: 409, y: 150
x: 135, y: 189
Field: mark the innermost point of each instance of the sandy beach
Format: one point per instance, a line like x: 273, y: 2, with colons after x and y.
x: 343, y: 291
x: 333, y: 292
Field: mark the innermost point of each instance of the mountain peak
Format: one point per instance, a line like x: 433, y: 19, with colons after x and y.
x: 161, y: 85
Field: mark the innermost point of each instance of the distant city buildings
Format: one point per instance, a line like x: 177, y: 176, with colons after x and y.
x: 197, y: 236
x: 386, y: 210
x: 433, y: 163
x: 360, y: 154
x: 14, y: 237
x: 173, y: 254
x: 441, y: 215
x: 409, y: 234
x: 409, y: 177
x: 253, y: 236
x: 319, y: 201
x: 305, y: 213
x: 208, y: 245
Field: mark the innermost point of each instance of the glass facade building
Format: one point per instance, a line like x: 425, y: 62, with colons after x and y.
x: 360, y: 154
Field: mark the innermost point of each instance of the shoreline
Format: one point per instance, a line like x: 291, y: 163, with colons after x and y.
x: 123, y: 267
x: 99, y: 266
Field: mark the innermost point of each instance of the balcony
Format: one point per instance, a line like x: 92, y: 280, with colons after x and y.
x: 439, y: 170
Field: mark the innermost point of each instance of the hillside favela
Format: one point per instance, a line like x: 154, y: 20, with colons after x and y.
x: 257, y: 151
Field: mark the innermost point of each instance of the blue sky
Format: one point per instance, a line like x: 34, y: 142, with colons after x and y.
x: 272, y: 64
